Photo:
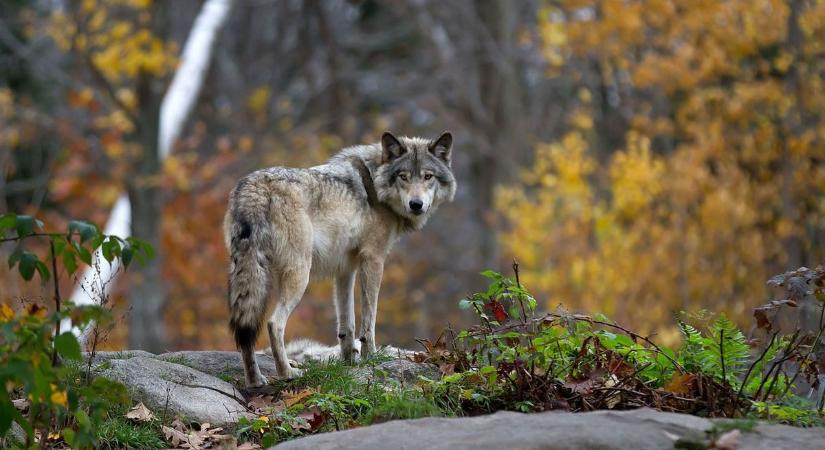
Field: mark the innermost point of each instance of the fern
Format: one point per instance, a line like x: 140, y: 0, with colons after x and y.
x: 704, y: 353
x: 726, y: 345
x: 690, y: 355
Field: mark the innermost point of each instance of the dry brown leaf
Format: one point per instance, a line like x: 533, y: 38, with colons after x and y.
x: 447, y: 368
x: 681, y: 383
x: 293, y: 398
x: 179, y: 425
x: 178, y: 438
x: 615, y: 398
x: 262, y: 404
x: 248, y: 446
x: 140, y: 413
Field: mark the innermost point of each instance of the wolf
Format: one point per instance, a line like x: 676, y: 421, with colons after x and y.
x: 334, y: 220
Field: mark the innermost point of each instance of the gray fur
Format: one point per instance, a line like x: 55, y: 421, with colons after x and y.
x: 332, y: 220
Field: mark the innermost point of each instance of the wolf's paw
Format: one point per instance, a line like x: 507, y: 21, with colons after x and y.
x: 349, y: 354
x: 293, y: 372
x: 257, y: 381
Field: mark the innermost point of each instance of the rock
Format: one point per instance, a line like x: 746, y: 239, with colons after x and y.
x: 227, y: 366
x: 639, y: 429
x: 402, y: 370
x: 194, y: 395
x: 125, y: 354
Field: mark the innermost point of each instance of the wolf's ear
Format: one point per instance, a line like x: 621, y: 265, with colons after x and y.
x: 392, y: 146
x: 442, y: 147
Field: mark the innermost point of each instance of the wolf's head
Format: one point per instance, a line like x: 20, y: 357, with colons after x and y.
x: 414, y: 177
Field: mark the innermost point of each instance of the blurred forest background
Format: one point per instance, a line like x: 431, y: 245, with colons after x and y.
x: 638, y: 158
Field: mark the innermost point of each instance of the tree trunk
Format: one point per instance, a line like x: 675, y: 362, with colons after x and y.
x: 146, y: 294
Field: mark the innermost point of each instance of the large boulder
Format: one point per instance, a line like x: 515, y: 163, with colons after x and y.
x: 227, y: 366
x: 639, y: 429
x: 101, y: 357
x: 174, y: 389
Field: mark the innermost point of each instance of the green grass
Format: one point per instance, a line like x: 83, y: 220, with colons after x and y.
x: 341, y: 393
x: 119, y: 433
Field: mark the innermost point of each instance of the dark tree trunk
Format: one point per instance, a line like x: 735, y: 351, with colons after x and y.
x: 146, y: 293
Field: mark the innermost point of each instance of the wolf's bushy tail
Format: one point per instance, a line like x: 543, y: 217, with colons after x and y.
x: 251, y: 253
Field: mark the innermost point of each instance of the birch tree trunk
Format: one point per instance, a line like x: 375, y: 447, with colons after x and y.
x: 161, y: 125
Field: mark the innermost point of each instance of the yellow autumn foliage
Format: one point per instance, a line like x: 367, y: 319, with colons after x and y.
x: 718, y: 181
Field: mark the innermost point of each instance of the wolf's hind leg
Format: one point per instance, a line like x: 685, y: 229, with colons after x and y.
x: 291, y: 286
x: 345, y: 309
x: 254, y: 377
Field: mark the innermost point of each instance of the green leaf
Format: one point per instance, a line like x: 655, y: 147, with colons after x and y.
x: 126, y: 255
x: 66, y: 344
x: 15, y: 256
x: 7, y: 222
x: 43, y: 270
x: 491, y: 274
x: 69, y: 261
x: 106, y: 249
x: 59, y: 245
x: 84, y: 254
x: 27, y: 265
x: 86, y: 230
x: 24, y: 225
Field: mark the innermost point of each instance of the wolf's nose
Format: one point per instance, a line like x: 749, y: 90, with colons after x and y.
x: 416, y: 205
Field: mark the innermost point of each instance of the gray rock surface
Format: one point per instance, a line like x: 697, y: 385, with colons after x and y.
x: 640, y: 429
x: 125, y: 354
x: 192, y: 394
x: 401, y: 370
x: 225, y: 365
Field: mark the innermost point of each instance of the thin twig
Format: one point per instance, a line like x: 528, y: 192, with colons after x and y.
x: 520, y: 300
x: 56, y: 298
x: 761, y: 356
x: 722, y: 354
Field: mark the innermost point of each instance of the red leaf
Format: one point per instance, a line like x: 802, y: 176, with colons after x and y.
x: 495, y: 308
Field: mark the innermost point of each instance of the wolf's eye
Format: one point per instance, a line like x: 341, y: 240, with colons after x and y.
x: 427, y: 176
x: 403, y: 176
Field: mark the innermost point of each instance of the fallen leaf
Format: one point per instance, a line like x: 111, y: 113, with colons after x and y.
x: 178, y: 438
x: 248, y: 446
x: 585, y: 386
x: 265, y: 404
x: 447, y: 368
x: 614, y: 398
x: 312, y: 420
x: 179, y: 425
x: 140, y: 413
x: 681, y: 383
x: 293, y: 398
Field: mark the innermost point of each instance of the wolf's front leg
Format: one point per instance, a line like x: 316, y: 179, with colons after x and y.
x: 345, y: 307
x: 372, y: 269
